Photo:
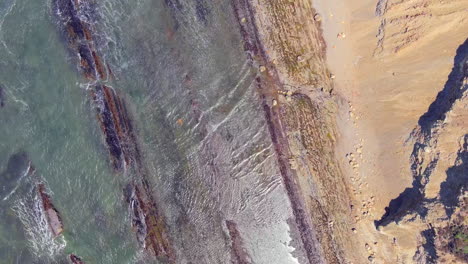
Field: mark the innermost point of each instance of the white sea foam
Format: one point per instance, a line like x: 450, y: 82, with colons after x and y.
x: 40, y: 238
x: 3, y: 15
x: 26, y: 172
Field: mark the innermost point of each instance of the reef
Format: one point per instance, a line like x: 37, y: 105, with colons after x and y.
x: 116, y: 127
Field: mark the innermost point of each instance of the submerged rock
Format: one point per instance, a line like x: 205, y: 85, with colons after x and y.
x: 17, y: 167
x: 76, y: 260
x: 2, y: 96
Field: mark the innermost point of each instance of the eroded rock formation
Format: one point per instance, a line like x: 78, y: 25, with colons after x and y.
x: 116, y: 127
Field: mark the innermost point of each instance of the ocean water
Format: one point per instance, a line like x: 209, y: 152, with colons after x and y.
x: 182, y: 70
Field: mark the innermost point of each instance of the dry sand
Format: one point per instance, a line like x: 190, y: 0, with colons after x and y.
x: 389, y: 80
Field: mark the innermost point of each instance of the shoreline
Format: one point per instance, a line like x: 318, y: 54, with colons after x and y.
x: 341, y: 135
x: 292, y: 99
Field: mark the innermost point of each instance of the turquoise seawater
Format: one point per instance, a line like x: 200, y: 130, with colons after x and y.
x: 181, y: 68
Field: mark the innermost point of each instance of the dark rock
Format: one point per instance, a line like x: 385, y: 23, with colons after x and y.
x: 52, y: 215
x: 76, y: 260
x: 18, y: 165
x: 2, y: 96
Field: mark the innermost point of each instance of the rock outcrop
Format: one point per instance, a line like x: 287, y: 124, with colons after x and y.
x: 293, y: 73
x: 116, y: 127
x: 52, y: 215
x: 439, y: 217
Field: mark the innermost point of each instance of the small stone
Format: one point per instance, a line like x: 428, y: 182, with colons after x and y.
x: 243, y: 20
x: 262, y: 68
x: 371, y: 258
x: 289, y: 93
x: 341, y: 35
x: 318, y: 17
x: 274, y: 102
x: 332, y: 76
x: 354, y: 230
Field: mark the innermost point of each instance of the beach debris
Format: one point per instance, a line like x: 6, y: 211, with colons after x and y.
x: 75, y: 259
x: 367, y: 247
x: 52, y: 215
x: 341, y: 35
x: 317, y: 17
x: 288, y: 94
x: 359, y: 150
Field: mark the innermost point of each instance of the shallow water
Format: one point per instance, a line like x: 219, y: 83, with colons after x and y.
x: 182, y: 70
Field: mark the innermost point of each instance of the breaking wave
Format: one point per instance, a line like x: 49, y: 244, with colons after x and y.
x: 41, y: 240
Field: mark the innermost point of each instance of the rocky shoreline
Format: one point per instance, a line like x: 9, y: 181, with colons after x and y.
x: 299, y: 105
